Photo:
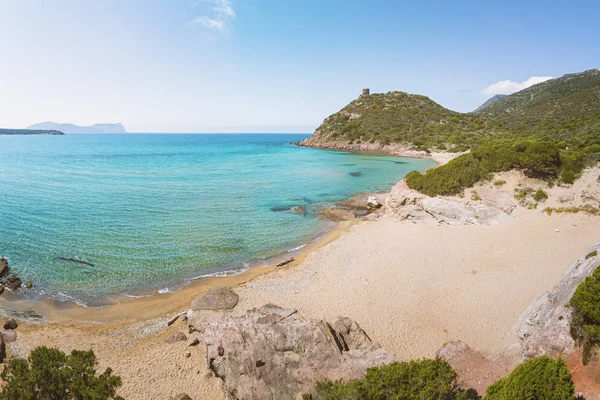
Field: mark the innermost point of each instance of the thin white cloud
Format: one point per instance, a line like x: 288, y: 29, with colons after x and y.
x: 223, y: 15
x: 209, y: 23
x: 224, y: 8
x: 509, y: 87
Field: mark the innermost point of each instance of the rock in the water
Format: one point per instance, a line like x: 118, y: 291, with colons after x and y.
x: 3, y: 266
x: 11, y: 324
x: 275, y: 353
x: 13, y: 282
x: 181, y: 396
x: 178, y: 337
x: 545, y: 326
x: 216, y: 299
x: 29, y: 285
x: 373, y: 203
x: 299, y: 209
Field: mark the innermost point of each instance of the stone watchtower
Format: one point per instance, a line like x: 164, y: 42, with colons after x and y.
x: 366, y: 92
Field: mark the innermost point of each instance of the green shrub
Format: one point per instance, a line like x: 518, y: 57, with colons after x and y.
x: 591, y: 254
x: 537, y: 159
x: 413, y: 380
x: 542, y: 378
x: 540, y: 195
x: 475, y: 196
x: 499, y: 182
x: 585, y: 319
x: 51, y: 374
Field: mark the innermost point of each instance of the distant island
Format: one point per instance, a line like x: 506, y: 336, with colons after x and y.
x: 72, y: 128
x: 30, y: 132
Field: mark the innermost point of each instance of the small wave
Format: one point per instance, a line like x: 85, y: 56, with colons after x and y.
x: 60, y: 296
x: 297, y: 248
x: 229, y: 272
x: 164, y: 290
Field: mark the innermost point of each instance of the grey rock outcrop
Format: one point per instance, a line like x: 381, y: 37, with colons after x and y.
x: 408, y: 204
x: 13, y: 282
x: 275, y: 353
x: 544, y: 327
x: 216, y: 299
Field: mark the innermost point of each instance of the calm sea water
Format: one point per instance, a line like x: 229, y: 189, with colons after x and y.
x: 151, y: 212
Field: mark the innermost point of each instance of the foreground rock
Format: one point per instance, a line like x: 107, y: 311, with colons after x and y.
x: 473, y: 368
x: 544, y: 327
x: 3, y: 266
x: 216, y: 299
x: 11, y: 324
x: 275, y: 353
x: 13, y: 282
x: 373, y: 203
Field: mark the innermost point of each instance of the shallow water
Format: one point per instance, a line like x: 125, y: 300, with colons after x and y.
x: 149, y: 211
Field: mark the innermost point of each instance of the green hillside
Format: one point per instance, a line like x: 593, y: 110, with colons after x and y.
x: 567, y: 108
x: 550, y: 131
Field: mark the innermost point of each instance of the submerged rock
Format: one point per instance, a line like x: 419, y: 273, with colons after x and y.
x: 13, y: 282
x: 299, y: 209
x: 275, y: 353
x: 178, y: 337
x: 216, y: 299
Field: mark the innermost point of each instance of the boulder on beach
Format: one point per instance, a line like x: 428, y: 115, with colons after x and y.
x: 9, y: 337
x: 3, y: 266
x: 181, y: 396
x: 275, y: 353
x: 216, y: 299
x: 373, y: 203
x: 11, y: 324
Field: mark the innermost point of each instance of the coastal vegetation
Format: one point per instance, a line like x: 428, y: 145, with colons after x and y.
x: 418, y: 379
x: 51, y: 374
x: 585, y: 320
x: 538, y: 159
x: 540, y: 378
x: 29, y: 132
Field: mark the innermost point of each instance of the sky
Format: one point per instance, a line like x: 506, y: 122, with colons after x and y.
x: 273, y: 65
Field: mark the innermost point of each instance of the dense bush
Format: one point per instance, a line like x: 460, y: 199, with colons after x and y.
x: 537, y: 159
x: 51, y: 374
x: 413, y: 380
x: 585, y: 320
x: 542, y: 378
x: 540, y: 195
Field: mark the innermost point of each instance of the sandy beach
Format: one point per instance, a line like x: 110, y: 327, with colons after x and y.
x: 412, y: 287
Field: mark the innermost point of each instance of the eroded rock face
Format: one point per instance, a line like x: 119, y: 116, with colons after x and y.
x: 373, y: 203
x: 408, y: 204
x: 216, y: 299
x: 275, y: 353
x: 544, y: 327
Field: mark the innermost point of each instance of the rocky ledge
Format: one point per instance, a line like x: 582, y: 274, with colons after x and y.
x: 275, y: 353
x: 544, y: 327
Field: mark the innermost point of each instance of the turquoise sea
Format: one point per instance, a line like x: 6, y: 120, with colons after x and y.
x: 151, y: 212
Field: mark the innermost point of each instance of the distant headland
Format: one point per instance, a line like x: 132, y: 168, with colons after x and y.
x: 72, y: 128
x: 30, y: 132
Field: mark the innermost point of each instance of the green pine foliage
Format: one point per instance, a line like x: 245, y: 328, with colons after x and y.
x: 413, y: 380
x: 51, y: 374
x: 585, y: 319
x: 542, y: 378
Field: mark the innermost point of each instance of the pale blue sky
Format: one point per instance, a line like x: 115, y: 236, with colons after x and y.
x: 272, y: 66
